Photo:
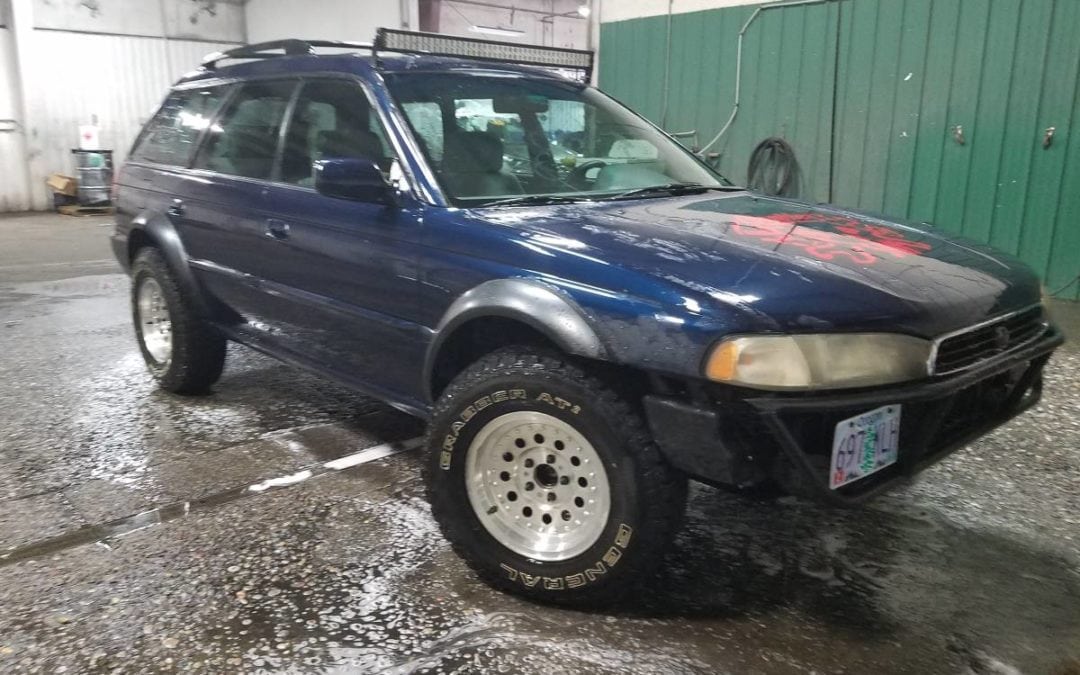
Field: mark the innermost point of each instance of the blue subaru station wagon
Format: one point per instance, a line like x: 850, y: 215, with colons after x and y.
x: 585, y: 313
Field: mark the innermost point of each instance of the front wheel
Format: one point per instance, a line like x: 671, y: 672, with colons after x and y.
x: 547, y: 483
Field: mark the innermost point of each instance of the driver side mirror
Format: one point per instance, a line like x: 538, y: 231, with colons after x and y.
x: 358, y: 179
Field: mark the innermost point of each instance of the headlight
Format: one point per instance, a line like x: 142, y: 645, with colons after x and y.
x: 818, y: 361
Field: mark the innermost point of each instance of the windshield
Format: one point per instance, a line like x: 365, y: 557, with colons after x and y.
x: 506, y: 139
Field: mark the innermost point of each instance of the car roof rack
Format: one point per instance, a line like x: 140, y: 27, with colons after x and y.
x: 277, y: 48
x: 438, y: 44
x: 416, y: 42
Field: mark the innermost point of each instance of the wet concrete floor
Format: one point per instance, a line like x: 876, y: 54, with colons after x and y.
x: 130, y: 540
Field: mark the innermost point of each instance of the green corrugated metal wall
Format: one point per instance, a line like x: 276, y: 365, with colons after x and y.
x: 903, y: 74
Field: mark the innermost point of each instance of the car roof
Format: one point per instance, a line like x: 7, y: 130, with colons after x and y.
x: 363, y: 63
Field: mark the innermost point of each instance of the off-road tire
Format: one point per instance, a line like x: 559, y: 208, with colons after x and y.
x: 647, y: 496
x: 198, y: 350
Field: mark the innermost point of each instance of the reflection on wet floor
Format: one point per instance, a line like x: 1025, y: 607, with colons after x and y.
x: 976, y: 566
x: 106, y: 532
x: 348, y: 573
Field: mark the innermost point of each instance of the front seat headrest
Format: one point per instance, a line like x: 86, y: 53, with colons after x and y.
x: 472, y: 152
x: 350, y: 143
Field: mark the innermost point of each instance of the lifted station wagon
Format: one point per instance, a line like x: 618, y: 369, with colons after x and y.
x: 585, y: 313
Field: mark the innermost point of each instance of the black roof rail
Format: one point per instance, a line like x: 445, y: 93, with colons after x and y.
x: 276, y: 48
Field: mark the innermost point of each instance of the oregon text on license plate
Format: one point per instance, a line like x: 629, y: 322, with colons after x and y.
x: 864, y: 444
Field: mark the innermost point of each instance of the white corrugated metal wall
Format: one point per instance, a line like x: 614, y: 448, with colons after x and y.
x: 14, y: 190
x: 80, y: 61
x: 118, y: 79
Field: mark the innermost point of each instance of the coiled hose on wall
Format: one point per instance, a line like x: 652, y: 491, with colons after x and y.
x: 774, y: 170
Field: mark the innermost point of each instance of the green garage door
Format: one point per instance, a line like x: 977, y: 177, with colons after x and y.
x: 933, y: 110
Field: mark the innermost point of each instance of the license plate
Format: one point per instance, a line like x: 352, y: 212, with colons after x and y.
x: 864, y: 444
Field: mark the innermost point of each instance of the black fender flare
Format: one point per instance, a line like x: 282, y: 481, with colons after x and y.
x: 160, y: 230
x: 533, y: 303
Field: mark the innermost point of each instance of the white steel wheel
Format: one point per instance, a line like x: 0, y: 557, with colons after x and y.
x: 537, y: 485
x: 154, y: 320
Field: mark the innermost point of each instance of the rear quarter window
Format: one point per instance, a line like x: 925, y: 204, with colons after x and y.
x: 170, y: 137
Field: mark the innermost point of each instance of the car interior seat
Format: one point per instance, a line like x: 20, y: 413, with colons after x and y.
x: 351, y: 143
x: 472, y: 166
x: 346, y: 142
x: 245, y: 150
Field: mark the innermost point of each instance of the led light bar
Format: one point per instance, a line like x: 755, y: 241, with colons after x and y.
x: 412, y: 42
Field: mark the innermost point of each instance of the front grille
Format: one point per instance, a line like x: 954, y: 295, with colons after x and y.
x: 987, y: 341
x: 927, y: 428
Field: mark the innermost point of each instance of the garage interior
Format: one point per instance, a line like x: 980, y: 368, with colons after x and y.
x: 279, y: 523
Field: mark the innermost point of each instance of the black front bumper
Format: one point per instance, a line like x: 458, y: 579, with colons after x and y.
x: 749, y: 438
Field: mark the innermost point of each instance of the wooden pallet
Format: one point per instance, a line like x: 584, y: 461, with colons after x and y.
x: 76, y: 210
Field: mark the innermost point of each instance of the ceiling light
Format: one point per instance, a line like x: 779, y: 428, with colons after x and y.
x: 490, y: 30
x: 584, y: 10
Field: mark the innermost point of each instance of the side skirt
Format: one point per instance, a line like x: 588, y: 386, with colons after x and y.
x: 405, y: 404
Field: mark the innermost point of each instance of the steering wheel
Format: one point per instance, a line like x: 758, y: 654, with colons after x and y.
x: 579, y: 174
x: 543, y: 167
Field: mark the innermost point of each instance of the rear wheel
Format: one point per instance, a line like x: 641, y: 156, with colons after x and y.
x: 547, y: 483
x: 183, y: 353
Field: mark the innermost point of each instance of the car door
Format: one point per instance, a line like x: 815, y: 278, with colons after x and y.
x: 152, y: 180
x: 344, y: 271
x: 221, y: 211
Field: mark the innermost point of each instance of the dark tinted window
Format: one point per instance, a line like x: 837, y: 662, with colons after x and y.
x: 170, y: 137
x: 243, y: 142
x: 332, y: 118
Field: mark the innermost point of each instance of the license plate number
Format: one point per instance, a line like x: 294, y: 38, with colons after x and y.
x: 864, y: 444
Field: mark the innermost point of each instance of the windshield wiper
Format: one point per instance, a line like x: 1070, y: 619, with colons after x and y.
x: 533, y: 200
x: 665, y: 189
x: 671, y: 189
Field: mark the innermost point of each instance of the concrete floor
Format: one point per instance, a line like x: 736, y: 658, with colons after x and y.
x: 130, y: 542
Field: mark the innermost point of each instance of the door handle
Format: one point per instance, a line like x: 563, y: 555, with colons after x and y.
x: 277, y: 229
x: 177, y: 208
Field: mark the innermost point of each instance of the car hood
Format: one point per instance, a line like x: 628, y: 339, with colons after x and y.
x: 790, y: 265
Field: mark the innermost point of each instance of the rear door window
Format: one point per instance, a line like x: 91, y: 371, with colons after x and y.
x: 245, y: 139
x: 171, y: 135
